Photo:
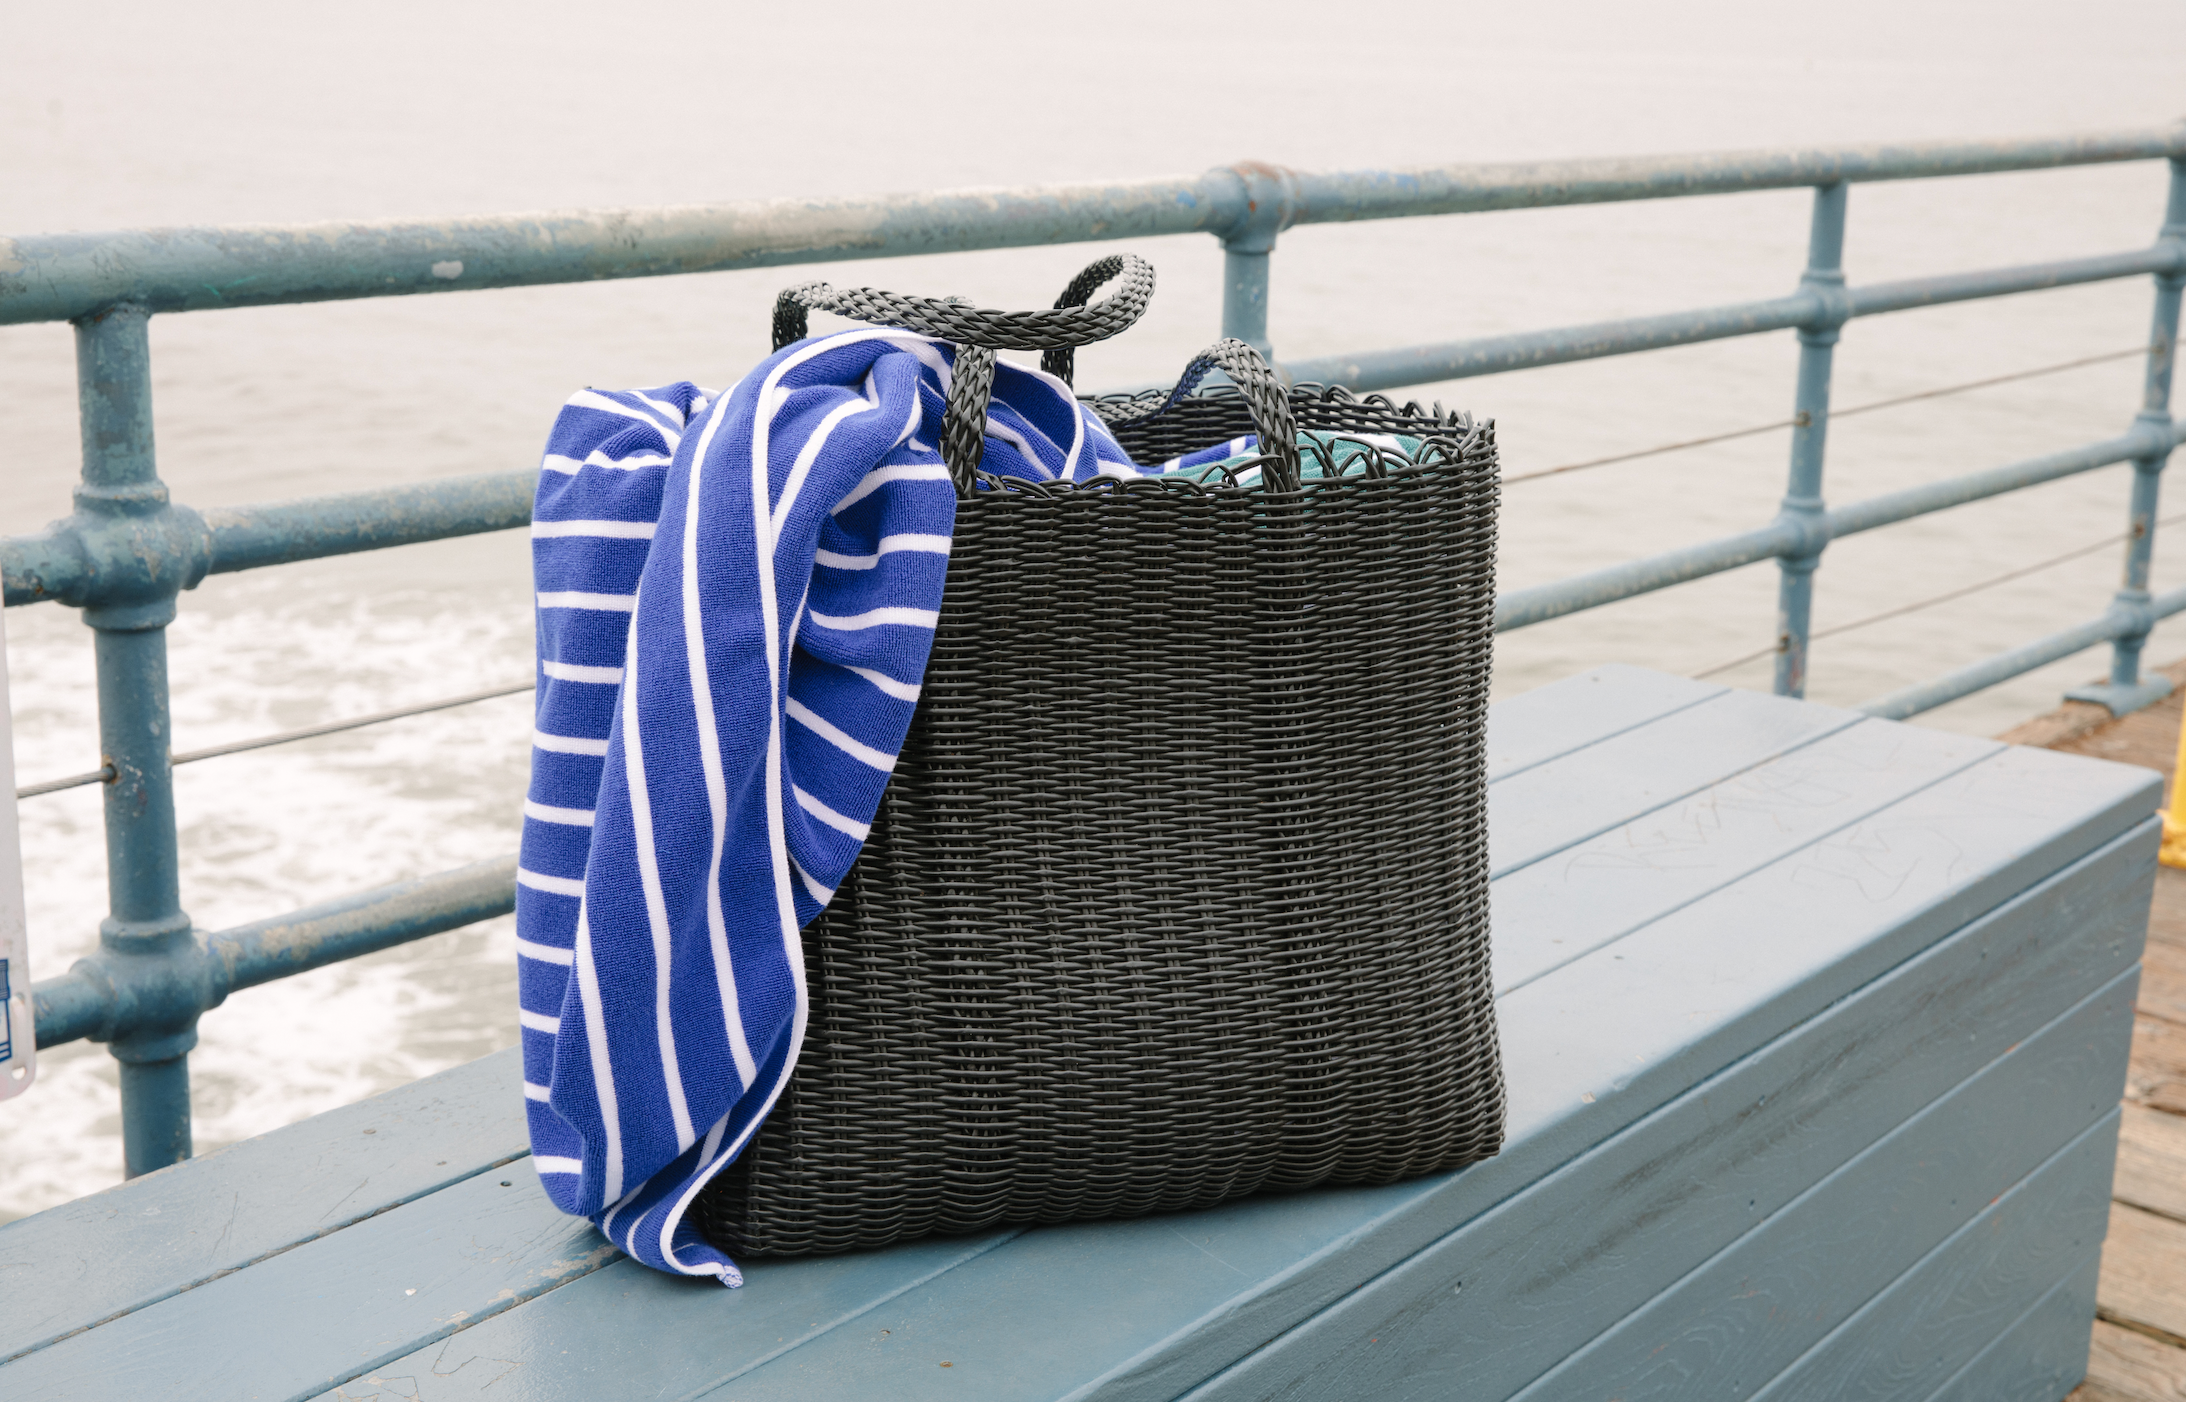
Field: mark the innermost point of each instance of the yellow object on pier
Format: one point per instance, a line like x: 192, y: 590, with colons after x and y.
x: 2174, y: 817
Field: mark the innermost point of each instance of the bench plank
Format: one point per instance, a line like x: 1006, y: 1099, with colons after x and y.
x: 1914, y: 1336
x: 1664, y: 859
x: 1579, y: 711
x: 2040, y: 1356
x: 1753, y: 1308
x: 119, y: 1250
x: 1605, y: 785
x: 144, y: 1240
x: 1188, y: 1295
x: 825, y: 1293
x: 368, y: 1294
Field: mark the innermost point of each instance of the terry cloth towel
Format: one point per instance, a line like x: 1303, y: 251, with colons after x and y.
x: 736, y: 598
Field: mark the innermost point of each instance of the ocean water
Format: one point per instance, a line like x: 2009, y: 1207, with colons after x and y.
x: 127, y: 114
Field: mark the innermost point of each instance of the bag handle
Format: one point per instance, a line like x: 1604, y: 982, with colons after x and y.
x: 964, y: 427
x: 1073, y: 321
x: 1062, y: 361
x: 1265, y: 396
x: 978, y: 333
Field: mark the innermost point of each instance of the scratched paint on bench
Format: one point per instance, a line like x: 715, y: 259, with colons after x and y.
x: 1663, y: 859
x: 365, y: 1295
x: 146, y: 1239
x: 1576, y: 796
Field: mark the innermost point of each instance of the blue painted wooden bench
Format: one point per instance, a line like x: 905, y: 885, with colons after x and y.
x: 1814, y: 1025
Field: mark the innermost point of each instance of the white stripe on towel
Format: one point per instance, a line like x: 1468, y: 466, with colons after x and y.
x: 889, y: 686
x: 572, y: 672
x: 552, y: 885
x: 841, y: 739
x: 567, y: 817
x: 877, y: 618
x: 849, y: 827
x: 612, y: 530
x: 880, y: 477
x: 889, y: 544
x: 579, y: 599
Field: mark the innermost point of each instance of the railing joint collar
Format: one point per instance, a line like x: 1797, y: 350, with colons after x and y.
x: 152, y: 978
x: 122, y: 557
x: 2154, y: 434
x: 109, y: 499
x: 2172, y: 238
x: 1261, y: 201
x: 1804, y: 521
x: 1832, y: 306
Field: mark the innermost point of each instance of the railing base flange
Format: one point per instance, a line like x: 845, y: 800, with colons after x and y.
x: 2123, y: 700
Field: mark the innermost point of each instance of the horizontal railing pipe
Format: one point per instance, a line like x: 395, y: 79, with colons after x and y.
x: 62, y: 277
x: 1976, y: 486
x: 90, y: 1000
x: 247, y: 537
x: 1538, y: 604
x: 59, y: 277
x: 82, y: 561
x: 1910, y: 294
x: 1490, y: 355
x: 1912, y: 700
x: 265, y: 950
x: 44, y: 566
x: 1523, y: 607
x: 1472, y: 189
x: 67, y: 1009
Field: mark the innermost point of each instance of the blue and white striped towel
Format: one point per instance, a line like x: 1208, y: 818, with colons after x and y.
x: 736, y: 596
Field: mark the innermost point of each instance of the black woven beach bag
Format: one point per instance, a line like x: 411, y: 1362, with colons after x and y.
x: 1179, y: 891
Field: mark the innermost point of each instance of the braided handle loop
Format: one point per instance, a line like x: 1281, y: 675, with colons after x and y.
x: 1062, y: 361
x: 1070, y: 322
x: 979, y: 333
x: 964, y: 424
x: 1265, y: 396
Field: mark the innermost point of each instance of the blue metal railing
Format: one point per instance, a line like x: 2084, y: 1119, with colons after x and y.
x: 128, y: 551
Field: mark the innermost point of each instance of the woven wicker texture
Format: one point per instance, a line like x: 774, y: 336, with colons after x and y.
x: 1179, y: 892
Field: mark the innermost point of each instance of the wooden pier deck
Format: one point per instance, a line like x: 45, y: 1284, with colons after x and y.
x: 2139, y: 1352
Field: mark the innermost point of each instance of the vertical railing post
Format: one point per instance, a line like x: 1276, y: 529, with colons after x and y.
x: 1803, y: 506
x: 149, y: 950
x: 1266, y: 203
x: 1245, y: 294
x: 2127, y: 690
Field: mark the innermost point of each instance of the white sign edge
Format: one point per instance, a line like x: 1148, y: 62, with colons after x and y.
x: 18, y: 1033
